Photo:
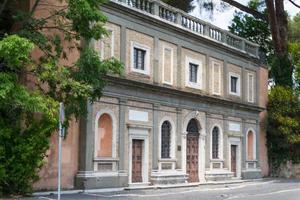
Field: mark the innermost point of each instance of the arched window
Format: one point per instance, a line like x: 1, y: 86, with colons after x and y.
x: 104, y: 136
x: 215, y: 142
x: 165, y: 139
x: 192, y: 127
x: 250, y: 145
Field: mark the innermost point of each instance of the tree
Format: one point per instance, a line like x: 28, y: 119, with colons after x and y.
x: 186, y: 6
x: 277, y: 19
x: 253, y: 29
x: 294, y: 46
x: 33, y: 84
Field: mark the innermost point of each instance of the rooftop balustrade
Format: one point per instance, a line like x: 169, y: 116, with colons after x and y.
x: 180, y: 18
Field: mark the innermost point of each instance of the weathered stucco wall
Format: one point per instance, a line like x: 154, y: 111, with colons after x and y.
x: 263, y: 100
x: 48, y: 174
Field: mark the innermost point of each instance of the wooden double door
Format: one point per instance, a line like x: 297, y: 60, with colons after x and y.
x: 233, y: 151
x: 192, y: 154
x: 137, y: 161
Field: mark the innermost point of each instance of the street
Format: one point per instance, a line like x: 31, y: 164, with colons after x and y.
x: 258, y: 190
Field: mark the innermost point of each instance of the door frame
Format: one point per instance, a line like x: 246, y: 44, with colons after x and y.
x: 139, y: 134
x: 201, y: 118
x: 235, y: 141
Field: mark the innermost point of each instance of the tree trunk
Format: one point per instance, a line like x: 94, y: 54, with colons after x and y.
x: 282, y: 68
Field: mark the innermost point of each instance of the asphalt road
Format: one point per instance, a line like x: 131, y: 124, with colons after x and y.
x: 258, y: 190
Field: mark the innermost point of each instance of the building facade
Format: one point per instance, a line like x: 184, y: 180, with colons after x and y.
x: 186, y: 108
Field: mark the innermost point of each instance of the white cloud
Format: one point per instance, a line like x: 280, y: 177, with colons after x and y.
x: 223, y: 19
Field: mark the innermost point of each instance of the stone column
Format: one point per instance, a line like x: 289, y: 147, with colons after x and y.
x: 257, y: 138
x: 122, y: 132
x: 156, y: 75
x: 202, y: 158
x: 178, y: 138
x: 243, y: 144
x: 225, y: 79
x: 123, y: 45
x: 179, y: 67
x: 155, y: 137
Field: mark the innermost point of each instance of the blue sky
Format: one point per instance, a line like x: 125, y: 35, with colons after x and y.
x: 223, y: 19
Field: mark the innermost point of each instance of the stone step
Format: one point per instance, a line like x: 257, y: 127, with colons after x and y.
x: 216, y: 175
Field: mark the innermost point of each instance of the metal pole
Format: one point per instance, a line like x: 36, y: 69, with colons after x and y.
x: 60, y: 136
x: 59, y: 160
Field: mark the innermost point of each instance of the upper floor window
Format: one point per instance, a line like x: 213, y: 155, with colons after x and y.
x: 165, y: 139
x: 140, y: 58
x: 234, y: 84
x: 193, y: 73
x: 250, y: 88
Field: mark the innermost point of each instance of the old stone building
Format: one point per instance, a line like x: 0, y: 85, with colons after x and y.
x: 186, y: 110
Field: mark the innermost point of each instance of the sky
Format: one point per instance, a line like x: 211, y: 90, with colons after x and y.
x: 223, y: 19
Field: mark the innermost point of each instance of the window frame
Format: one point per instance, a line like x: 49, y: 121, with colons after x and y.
x: 163, y: 64
x: 220, y: 143
x: 238, y: 84
x: 147, y: 49
x: 251, y: 100
x: 213, y: 77
x: 170, y: 140
x: 198, y: 84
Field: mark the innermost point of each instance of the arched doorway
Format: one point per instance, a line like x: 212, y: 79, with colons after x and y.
x: 192, y: 146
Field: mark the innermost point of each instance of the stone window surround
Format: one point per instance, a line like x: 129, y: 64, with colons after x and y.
x: 238, y: 85
x: 112, y: 44
x: 163, y: 63
x: 221, y: 157
x: 248, y: 88
x: 113, y: 160
x: 172, y: 158
x: 198, y: 62
x: 213, y: 77
x: 146, y: 70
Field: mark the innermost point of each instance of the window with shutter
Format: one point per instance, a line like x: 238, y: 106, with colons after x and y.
x: 250, y: 88
x: 216, y: 77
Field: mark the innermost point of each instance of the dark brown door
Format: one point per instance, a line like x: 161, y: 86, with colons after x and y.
x: 137, y: 159
x: 233, y: 159
x: 192, y: 157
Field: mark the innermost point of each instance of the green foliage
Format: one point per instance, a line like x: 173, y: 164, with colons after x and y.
x: 294, y: 29
x: 283, y: 127
x: 186, y: 6
x: 279, y: 73
x: 253, y: 29
x: 28, y: 115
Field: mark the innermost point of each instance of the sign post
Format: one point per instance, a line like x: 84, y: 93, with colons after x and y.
x: 60, y: 136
